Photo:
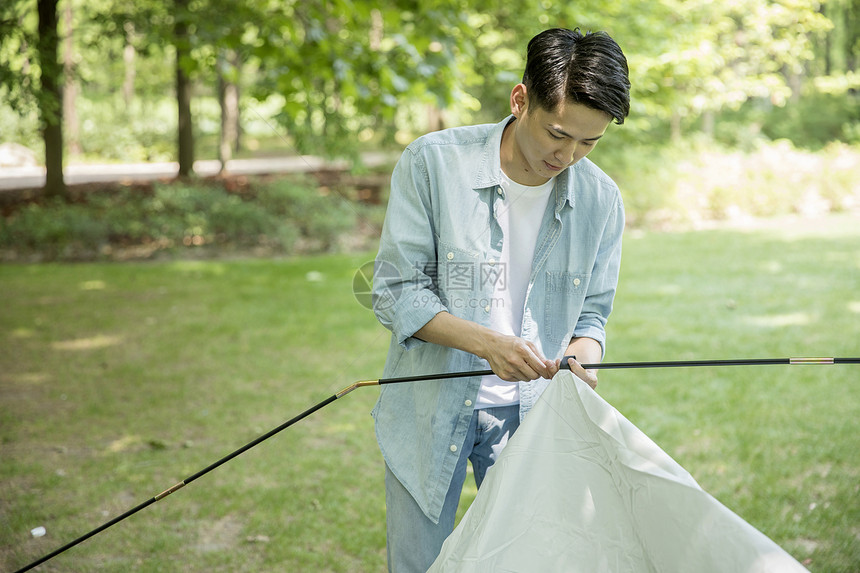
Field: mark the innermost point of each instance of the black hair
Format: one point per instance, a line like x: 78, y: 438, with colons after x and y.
x: 589, y: 69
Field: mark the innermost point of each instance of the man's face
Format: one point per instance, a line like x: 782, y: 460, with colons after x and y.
x: 544, y: 143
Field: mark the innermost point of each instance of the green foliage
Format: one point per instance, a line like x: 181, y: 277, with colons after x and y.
x: 321, y: 219
x: 54, y: 229
x: 709, y: 56
x: 645, y: 174
x: 337, y: 76
x: 344, y: 68
x: 773, y: 180
x: 146, y: 132
x: 816, y: 120
x: 703, y: 182
x: 18, y: 85
x: 279, y: 217
x: 23, y: 130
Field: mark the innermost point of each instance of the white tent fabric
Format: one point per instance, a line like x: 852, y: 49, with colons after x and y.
x: 580, y: 489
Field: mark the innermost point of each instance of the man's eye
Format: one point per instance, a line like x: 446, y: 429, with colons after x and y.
x: 554, y: 136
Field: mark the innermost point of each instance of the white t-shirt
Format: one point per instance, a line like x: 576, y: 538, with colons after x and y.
x: 520, y: 217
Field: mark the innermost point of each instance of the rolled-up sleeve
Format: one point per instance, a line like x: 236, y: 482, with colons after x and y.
x: 404, y: 294
x: 604, y: 279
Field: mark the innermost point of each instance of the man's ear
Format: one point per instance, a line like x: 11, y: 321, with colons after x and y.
x: 519, y: 100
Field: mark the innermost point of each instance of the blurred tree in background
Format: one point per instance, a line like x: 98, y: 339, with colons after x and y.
x: 157, y: 79
x: 31, y: 76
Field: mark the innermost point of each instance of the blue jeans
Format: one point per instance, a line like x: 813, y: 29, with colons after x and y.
x: 414, y: 541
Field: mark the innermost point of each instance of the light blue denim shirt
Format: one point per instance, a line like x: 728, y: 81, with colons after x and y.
x: 438, y: 252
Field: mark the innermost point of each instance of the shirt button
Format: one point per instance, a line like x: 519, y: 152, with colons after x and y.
x: 468, y: 402
x: 499, y: 190
x: 492, y: 262
x: 453, y: 448
x: 576, y: 282
x: 487, y: 308
x: 450, y: 256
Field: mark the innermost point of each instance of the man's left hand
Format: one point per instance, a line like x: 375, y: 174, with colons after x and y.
x: 587, y: 376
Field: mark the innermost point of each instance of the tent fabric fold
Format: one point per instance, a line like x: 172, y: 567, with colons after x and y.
x: 579, y: 488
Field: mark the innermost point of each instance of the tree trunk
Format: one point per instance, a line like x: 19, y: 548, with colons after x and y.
x: 51, y: 98
x: 228, y: 97
x: 675, y: 126
x: 795, y: 82
x: 708, y: 123
x: 183, y: 92
x: 435, y: 118
x: 828, y: 66
x: 70, y: 86
x: 852, y: 36
x: 185, y: 132
x: 128, y: 57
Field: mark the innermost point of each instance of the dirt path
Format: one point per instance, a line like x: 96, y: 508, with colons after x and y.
x: 16, y: 178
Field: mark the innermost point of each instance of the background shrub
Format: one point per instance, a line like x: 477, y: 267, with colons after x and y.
x: 675, y: 186
x: 320, y: 219
x: 280, y: 217
x: 665, y: 187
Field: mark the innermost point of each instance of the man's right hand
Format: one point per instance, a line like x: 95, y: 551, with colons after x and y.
x: 512, y: 358
x: 515, y: 359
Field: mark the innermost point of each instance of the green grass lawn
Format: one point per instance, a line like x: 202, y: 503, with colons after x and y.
x: 119, y: 380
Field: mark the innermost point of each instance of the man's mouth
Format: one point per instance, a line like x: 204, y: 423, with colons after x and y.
x: 552, y: 167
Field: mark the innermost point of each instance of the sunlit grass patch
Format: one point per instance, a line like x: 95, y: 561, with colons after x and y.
x: 115, y: 391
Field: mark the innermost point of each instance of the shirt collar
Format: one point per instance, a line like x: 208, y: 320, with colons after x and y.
x: 489, y: 171
x: 490, y: 167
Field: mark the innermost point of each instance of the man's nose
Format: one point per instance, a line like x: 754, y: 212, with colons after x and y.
x: 566, y: 153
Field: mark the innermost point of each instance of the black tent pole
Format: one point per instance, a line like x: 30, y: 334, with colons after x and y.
x: 425, y: 377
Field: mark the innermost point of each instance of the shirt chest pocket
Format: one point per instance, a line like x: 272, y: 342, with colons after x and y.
x: 565, y: 295
x: 458, y: 277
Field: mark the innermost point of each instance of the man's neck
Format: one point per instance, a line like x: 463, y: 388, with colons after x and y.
x: 512, y: 161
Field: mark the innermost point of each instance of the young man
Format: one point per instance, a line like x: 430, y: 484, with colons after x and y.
x: 501, y: 246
